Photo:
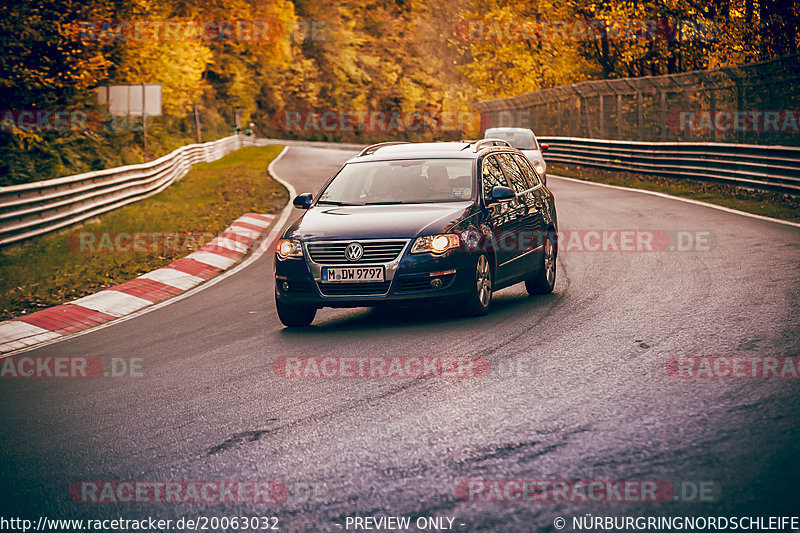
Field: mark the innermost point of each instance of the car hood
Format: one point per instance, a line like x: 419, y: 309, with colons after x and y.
x: 377, y: 221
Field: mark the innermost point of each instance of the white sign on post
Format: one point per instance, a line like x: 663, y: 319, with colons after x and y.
x: 142, y: 100
x: 131, y: 100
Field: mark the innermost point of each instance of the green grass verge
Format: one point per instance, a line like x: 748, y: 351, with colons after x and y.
x: 764, y: 203
x: 52, y: 269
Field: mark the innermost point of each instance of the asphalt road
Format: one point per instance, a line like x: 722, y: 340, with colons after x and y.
x: 596, y: 403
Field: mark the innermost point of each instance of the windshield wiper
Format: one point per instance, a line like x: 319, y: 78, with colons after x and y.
x: 398, y: 202
x: 333, y: 202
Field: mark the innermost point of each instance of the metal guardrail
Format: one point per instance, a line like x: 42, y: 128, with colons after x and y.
x: 770, y: 168
x: 31, y: 209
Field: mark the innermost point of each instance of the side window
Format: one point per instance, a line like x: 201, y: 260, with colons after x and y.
x: 513, y: 173
x: 492, y: 175
x: 527, y: 169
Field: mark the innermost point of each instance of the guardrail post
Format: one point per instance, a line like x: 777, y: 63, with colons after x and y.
x: 640, y: 112
x: 713, y: 104
x: 587, y: 118
x: 547, y: 115
x: 560, y: 131
x: 739, y: 106
x: 600, y: 118
x: 579, y: 118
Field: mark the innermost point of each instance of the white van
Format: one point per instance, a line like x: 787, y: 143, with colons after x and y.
x: 523, y: 139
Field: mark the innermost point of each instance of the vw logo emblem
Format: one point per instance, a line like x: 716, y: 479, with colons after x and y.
x: 354, y: 251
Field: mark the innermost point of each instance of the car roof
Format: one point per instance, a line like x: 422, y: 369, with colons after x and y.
x: 428, y: 150
x: 509, y: 130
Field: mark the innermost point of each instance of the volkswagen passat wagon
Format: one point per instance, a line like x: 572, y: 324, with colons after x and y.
x: 413, y: 222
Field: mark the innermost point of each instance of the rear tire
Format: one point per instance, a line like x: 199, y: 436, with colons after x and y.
x: 295, y: 316
x: 480, y: 299
x: 545, y: 279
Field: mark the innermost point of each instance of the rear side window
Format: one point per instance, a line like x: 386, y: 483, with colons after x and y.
x: 527, y: 169
x: 513, y: 173
x: 492, y: 175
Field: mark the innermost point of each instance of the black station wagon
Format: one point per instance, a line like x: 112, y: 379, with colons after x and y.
x: 416, y: 222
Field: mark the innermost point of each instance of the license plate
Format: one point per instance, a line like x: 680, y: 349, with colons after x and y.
x: 364, y: 274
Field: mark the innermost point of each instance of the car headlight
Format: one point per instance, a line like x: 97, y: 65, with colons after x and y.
x: 539, y: 168
x: 435, y: 244
x: 289, y: 248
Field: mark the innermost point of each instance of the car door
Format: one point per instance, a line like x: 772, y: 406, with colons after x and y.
x: 501, y: 219
x: 526, y: 215
x: 531, y: 222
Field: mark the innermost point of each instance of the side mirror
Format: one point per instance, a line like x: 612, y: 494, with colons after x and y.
x: 500, y: 193
x: 303, y: 201
x: 544, y: 147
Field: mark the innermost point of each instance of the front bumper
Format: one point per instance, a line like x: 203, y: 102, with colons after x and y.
x: 407, y: 279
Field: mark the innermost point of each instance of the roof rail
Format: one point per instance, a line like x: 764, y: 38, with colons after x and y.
x: 373, y: 147
x: 490, y: 142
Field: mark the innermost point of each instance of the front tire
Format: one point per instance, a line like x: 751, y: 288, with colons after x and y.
x: 480, y: 298
x: 545, y: 279
x: 295, y: 316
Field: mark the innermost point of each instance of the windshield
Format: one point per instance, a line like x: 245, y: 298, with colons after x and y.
x: 407, y: 181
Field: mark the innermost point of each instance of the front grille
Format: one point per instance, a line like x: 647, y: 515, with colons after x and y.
x: 354, y: 289
x: 423, y: 283
x: 332, y: 253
